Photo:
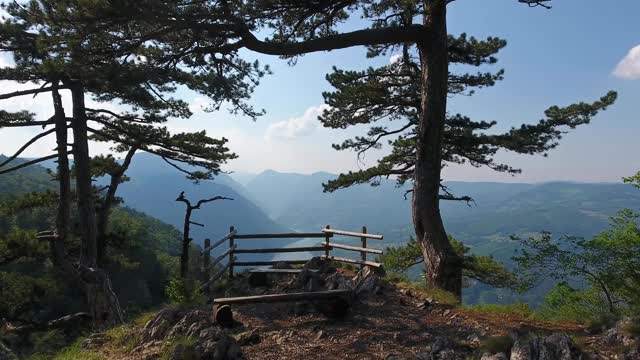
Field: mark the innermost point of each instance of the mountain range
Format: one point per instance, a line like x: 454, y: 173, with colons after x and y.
x: 274, y: 202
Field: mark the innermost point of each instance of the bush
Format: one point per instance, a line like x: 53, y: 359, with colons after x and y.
x: 564, y: 303
x: 186, y: 292
x: 520, y: 309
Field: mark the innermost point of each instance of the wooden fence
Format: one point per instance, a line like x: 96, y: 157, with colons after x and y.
x: 326, y: 247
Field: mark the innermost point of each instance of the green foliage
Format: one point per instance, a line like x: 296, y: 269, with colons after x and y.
x: 184, y: 292
x: 124, y: 336
x: 188, y: 342
x: 635, y: 179
x: 564, y: 303
x: 71, y: 352
x: 484, y: 269
x: 607, y: 263
x: 519, y: 309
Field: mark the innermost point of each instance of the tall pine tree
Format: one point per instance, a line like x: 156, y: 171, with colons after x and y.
x: 211, y: 33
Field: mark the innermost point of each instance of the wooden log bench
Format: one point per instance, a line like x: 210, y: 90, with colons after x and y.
x: 332, y: 303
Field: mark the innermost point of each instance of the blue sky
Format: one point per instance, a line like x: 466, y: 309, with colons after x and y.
x: 556, y: 56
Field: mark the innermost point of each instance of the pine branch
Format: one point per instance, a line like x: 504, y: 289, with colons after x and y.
x: 25, y: 146
x: 28, y: 92
x: 28, y: 163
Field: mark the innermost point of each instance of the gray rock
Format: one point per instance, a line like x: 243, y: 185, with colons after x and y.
x: 498, y: 356
x: 620, y: 333
x: 190, y: 324
x: 183, y: 352
x: 159, y: 325
x: 248, y: 338
x: 367, y: 282
x: 442, y: 349
x: 556, y: 346
x: 321, y: 265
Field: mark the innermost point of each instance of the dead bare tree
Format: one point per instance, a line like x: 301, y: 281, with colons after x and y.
x: 186, y: 239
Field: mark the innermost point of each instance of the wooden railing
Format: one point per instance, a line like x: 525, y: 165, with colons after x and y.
x: 327, y: 246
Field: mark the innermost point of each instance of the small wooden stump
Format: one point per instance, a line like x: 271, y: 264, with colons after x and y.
x: 223, y: 315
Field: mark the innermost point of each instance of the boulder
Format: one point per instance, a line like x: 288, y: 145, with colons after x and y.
x: 557, y: 346
x: 622, y: 333
x: 367, y: 282
x: 321, y: 265
x: 442, y: 348
x: 191, y: 323
x: 248, y: 338
x: 159, y: 325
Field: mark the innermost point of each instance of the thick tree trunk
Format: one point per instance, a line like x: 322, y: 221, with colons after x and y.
x: 102, y: 302
x: 63, y: 218
x: 441, y: 265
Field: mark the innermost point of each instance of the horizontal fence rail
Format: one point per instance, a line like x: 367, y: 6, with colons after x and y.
x: 354, y: 248
x: 280, y: 250
x: 280, y: 236
x: 354, y: 234
x: 327, y: 246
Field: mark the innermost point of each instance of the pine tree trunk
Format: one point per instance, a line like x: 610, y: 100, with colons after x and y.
x: 441, y: 265
x: 102, y: 302
x: 63, y: 218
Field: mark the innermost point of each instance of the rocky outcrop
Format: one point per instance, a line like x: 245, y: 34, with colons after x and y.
x: 443, y: 348
x: 622, y: 333
x: 557, y: 346
x: 210, y: 341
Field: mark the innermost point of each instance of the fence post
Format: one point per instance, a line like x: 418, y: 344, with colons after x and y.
x: 363, y: 254
x: 326, y: 242
x: 205, y: 264
x: 231, y: 253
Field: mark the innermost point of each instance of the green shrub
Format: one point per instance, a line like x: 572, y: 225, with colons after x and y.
x: 520, y: 309
x: 564, y: 303
x: 169, y: 347
x: 48, y: 342
x: 186, y: 292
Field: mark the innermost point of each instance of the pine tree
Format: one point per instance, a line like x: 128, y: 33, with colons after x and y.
x: 209, y: 35
x: 58, y: 57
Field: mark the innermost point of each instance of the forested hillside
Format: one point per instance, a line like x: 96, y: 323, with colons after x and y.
x: 142, y: 253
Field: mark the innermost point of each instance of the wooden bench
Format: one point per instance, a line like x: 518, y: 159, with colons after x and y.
x: 332, y: 303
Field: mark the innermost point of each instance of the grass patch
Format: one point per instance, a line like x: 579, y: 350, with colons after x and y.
x: 71, y: 352
x: 518, y: 309
x: 497, y: 344
x: 169, y: 347
x: 124, y: 337
x: 439, y: 295
x: 141, y: 320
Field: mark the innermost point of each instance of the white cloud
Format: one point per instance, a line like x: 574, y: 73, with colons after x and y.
x: 629, y: 67
x: 296, y: 127
x: 395, y: 58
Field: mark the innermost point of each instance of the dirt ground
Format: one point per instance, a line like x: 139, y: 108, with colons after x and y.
x: 389, y: 325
